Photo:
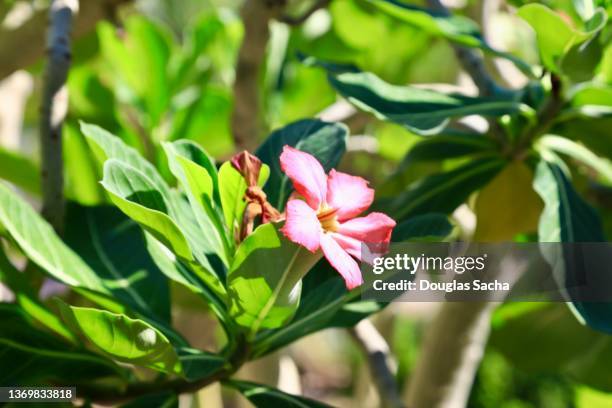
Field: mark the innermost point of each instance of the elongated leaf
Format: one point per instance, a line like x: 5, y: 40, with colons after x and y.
x: 199, y: 364
x: 434, y: 227
x: 555, y: 35
x: 458, y: 29
x: 325, y: 141
x: 199, y: 180
x: 265, y: 279
x: 264, y: 396
x: 568, y: 218
x: 20, y: 171
x: 443, y: 192
x: 106, y: 146
x: 577, y: 151
x: 325, y: 303
x: 123, y: 338
x: 34, y: 356
x: 27, y: 298
x: 137, y: 196
x: 39, y: 243
x: 422, y: 111
x: 114, y: 246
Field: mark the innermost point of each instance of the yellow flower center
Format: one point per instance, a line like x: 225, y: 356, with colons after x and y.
x: 328, y: 219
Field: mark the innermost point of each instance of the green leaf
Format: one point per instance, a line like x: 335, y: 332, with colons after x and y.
x: 36, y: 238
x: 20, y: 171
x: 325, y: 303
x: 197, y: 174
x: 264, y: 396
x: 114, y: 246
x: 81, y: 176
x: 125, y: 339
x: 422, y: 111
x: 137, y: 196
x: 458, y: 29
x: 161, y: 400
x: 556, y: 38
x: 35, y: 357
x: 324, y: 140
x: 106, y: 146
x: 426, y: 227
x: 443, y: 192
x: 577, y: 151
x: 199, y: 364
x: 558, y: 344
x: 27, y: 298
x: 568, y: 218
x: 265, y: 279
x: 232, y: 187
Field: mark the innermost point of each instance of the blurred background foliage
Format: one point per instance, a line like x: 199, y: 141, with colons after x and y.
x: 162, y: 70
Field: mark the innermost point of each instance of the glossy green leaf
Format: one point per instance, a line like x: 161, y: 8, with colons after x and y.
x: 264, y: 396
x: 114, y: 246
x: 137, y: 196
x: 199, y: 364
x: 36, y: 238
x: 324, y: 140
x: 422, y: 111
x: 443, y: 192
x: 20, y: 171
x: 35, y: 356
x: 458, y: 29
x: 81, y: 177
x: 556, y: 341
x: 125, y: 339
x: 325, y: 303
x: 197, y: 174
x: 568, y: 218
x: 265, y: 279
x: 579, y: 152
x: 555, y: 36
x: 426, y: 227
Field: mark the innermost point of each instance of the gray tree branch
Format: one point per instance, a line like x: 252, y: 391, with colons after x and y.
x: 246, y: 116
x: 53, y: 109
x: 13, y: 54
x: 380, y: 362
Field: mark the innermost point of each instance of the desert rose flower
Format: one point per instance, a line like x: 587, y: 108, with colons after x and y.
x: 323, y: 214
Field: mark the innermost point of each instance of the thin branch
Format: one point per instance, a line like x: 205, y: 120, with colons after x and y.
x: 380, y: 362
x: 246, y: 116
x: 14, y: 56
x: 297, y: 20
x: 53, y: 109
x: 452, y: 350
x: 471, y: 61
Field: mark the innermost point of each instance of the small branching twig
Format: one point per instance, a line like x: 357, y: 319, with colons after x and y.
x: 53, y: 109
x: 380, y: 362
x: 297, y: 20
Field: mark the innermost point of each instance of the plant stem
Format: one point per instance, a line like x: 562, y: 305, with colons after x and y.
x: 380, y: 362
x: 53, y: 109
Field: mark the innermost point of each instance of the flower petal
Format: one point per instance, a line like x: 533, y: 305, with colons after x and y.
x: 306, y: 173
x: 302, y: 225
x: 341, y: 261
x: 350, y: 195
x: 355, y: 248
x: 374, y: 230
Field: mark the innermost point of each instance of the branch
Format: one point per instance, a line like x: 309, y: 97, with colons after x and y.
x: 256, y: 16
x: 381, y: 363
x: 14, y: 56
x: 297, y: 20
x: 53, y: 109
x: 452, y: 350
x: 471, y: 61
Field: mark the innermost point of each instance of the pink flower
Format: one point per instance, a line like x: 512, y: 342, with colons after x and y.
x: 325, y: 218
